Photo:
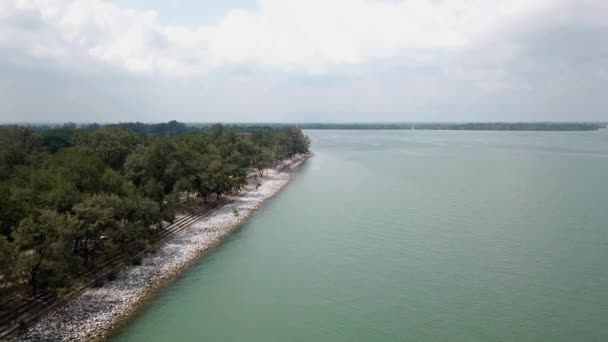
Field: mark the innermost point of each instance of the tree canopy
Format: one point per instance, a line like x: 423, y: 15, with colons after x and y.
x: 73, y: 196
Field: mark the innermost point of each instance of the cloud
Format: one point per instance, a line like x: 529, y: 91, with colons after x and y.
x: 311, y: 36
x: 332, y: 60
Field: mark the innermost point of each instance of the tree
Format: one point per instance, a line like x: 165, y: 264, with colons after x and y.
x: 294, y: 142
x: 57, y: 139
x: 66, y: 176
x: 96, y: 217
x: 264, y: 158
x: 138, y: 216
x: 217, y: 175
x: 171, y: 204
x: 44, y: 244
x: 155, y: 162
x: 11, y: 210
x: 72, y: 195
x: 8, y: 258
x: 18, y: 146
x: 111, y: 144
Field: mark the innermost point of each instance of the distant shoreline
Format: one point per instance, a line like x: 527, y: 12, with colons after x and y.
x: 473, y: 126
x: 430, y: 126
x: 99, y: 313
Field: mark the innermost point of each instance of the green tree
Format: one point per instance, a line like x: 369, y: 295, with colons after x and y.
x: 8, y: 259
x: 96, y: 218
x: 11, y: 209
x: 293, y: 142
x: 45, y: 252
x: 138, y: 217
x: 72, y: 195
x: 155, y: 162
x: 111, y: 144
x: 264, y: 159
x: 65, y: 178
x: 18, y: 146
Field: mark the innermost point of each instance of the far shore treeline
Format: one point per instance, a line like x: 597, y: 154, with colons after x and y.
x: 72, y: 196
x: 461, y: 126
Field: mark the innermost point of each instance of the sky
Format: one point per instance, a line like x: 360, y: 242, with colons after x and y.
x: 303, y: 60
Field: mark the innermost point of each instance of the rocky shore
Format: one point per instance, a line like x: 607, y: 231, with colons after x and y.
x: 98, y: 312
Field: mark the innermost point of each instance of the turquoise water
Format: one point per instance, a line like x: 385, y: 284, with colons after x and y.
x: 411, y: 236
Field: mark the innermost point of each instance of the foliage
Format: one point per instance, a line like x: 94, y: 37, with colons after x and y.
x: 72, y: 197
x: 44, y: 240
x: 8, y: 257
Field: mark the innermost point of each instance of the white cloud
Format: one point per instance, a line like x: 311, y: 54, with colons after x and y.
x: 309, y: 36
x: 287, y: 60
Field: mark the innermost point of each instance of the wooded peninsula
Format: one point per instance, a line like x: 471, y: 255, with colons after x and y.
x: 71, y: 196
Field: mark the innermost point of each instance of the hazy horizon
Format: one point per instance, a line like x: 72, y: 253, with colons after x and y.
x: 296, y: 122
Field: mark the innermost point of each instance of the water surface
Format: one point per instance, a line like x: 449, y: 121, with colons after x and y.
x: 412, y: 236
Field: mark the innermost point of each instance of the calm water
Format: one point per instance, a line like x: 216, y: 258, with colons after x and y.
x: 412, y: 236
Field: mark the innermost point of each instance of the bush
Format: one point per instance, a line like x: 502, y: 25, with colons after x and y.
x: 98, y: 283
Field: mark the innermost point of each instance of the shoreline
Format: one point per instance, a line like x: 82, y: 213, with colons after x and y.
x: 99, y: 313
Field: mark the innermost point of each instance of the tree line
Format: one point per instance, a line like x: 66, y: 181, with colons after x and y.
x: 72, y: 196
x: 462, y: 126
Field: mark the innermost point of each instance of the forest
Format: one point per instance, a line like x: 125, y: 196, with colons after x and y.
x: 73, y: 195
